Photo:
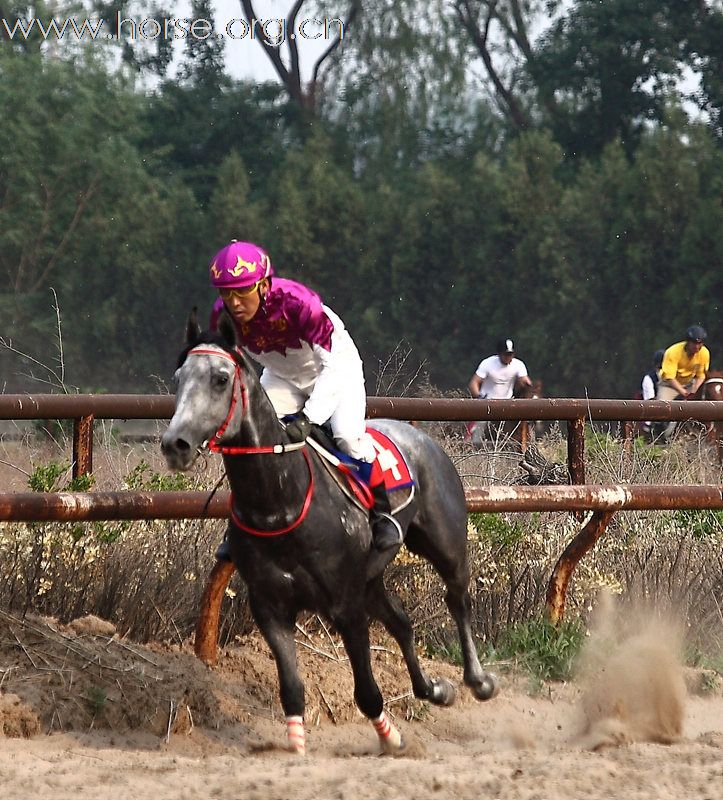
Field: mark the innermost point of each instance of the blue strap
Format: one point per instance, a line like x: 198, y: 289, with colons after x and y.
x: 361, y: 469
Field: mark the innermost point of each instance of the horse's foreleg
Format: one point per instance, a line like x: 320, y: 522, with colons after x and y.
x: 355, y: 634
x: 279, y: 635
x: 388, y: 609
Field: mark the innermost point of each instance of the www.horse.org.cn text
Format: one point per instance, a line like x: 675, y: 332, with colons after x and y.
x: 274, y: 31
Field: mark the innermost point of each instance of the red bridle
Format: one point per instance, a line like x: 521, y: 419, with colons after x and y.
x: 239, y: 388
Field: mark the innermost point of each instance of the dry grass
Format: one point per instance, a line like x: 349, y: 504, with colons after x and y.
x: 147, y: 577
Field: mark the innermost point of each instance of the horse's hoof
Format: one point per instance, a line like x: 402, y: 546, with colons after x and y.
x: 443, y: 692
x: 487, y: 688
x: 389, y: 749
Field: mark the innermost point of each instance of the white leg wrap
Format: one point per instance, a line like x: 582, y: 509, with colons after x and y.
x: 295, y: 735
x: 389, y: 737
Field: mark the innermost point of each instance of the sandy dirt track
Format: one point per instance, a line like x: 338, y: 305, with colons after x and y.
x: 516, y: 748
x: 168, y: 727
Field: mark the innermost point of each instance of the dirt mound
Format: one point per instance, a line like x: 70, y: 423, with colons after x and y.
x: 81, y: 676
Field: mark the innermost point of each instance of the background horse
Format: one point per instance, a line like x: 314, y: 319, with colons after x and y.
x: 301, y: 544
x: 712, y: 389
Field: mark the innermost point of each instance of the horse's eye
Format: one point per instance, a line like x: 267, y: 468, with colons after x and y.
x: 220, y: 380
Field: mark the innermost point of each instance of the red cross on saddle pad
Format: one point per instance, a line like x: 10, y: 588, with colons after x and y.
x: 389, y: 465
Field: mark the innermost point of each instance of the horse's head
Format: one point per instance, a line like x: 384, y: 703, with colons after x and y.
x: 711, y: 388
x: 211, y: 393
x: 529, y: 392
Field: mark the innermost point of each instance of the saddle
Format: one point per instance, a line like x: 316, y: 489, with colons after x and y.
x: 356, y: 478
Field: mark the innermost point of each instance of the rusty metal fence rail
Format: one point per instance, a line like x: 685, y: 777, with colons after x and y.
x: 128, y: 505
x: 602, y: 501
x: 83, y: 409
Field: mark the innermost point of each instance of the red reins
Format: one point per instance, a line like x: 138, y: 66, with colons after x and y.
x: 239, y: 387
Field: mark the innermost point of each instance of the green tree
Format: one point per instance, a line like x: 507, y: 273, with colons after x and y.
x: 233, y: 215
x: 596, y: 71
x: 315, y: 226
x: 612, y: 68
x: 190, y: 129
x: 81, y: 213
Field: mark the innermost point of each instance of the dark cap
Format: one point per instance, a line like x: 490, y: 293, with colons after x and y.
x: 696, y: 334
x: 505, y: 346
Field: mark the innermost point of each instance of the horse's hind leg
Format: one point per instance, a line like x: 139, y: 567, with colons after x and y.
x: 451, y: 564
x: 279, y: 634
x: 483, y: 684
x: 387, y: 608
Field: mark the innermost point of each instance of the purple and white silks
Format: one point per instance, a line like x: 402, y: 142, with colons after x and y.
x: 310, y: 362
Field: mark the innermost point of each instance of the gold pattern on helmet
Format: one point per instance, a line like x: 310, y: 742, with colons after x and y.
x: 242, y: 267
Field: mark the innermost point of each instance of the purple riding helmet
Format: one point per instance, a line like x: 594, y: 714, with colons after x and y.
x: 239, y: 265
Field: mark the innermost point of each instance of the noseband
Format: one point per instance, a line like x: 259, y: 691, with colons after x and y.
x: 214, y: 445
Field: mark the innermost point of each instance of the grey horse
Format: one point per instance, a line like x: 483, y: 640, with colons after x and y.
x: 301, y: 544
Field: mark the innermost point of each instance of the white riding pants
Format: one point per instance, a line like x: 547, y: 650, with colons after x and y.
x: 347, y: 420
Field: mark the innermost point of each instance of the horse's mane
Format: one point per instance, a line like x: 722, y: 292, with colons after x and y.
x: 527, y: 392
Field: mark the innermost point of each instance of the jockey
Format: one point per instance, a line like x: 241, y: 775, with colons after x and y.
x: 649, y: 384
x: 312, y: 371
x: 497, y: 377
x: 684, y: 366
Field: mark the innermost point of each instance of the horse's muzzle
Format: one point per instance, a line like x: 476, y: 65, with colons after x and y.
x: 179, y: 454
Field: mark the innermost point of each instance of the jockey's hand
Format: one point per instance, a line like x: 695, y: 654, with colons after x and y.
x: 299, y: 428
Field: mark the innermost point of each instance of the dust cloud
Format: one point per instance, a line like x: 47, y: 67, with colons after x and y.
x: 632, y: 676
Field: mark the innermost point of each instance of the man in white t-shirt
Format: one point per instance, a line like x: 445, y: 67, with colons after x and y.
x: 497, y: 377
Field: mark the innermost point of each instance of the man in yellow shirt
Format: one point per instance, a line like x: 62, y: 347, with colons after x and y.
x: 684, y: 366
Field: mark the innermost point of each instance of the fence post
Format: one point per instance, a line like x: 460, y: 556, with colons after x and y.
x: 576, y: 455
x: 581, y: 544
x: 576, y: 449
x: 83, y: 446
x: 206, y: 639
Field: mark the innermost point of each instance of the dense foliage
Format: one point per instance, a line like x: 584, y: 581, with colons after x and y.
x: 568, y: 196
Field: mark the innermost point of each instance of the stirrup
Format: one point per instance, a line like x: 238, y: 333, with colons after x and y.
x: 386, y: 532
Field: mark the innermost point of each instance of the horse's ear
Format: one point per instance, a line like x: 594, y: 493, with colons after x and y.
x: 193, y: 329
x: 226, y: 328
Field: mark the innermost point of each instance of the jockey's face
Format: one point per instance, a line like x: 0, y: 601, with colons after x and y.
x: 693, y: 346
x: 242, y: 304
x: 506, y: 358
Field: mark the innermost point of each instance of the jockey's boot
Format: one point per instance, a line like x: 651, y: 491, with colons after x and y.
x: 386, y: 531
x: 223, y: 551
